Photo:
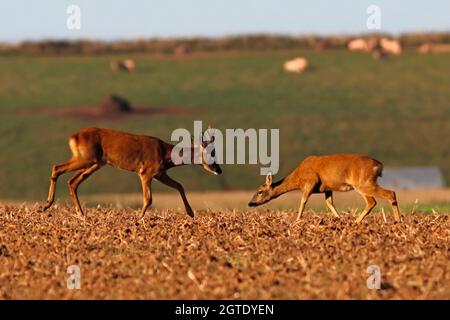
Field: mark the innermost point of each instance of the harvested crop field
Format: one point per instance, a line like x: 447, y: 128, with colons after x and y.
x: 220, y: 255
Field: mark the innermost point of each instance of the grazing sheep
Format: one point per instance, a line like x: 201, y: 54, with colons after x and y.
x: 391, y: 46
x: 358, y: 45
x: 123, y: 65
x: 297, y: 65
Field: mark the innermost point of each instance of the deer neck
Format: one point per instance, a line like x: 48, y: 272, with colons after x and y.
x: 168, y: 155
x: 284, y: 185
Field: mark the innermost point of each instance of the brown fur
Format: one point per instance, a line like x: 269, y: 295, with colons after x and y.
x: 147, y: 156
x: 325, y: 174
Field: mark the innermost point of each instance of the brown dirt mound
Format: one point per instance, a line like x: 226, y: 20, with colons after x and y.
x: 112, y: 107
x: 220, y: 255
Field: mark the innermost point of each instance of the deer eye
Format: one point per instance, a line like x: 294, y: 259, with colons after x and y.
x: 260, y: 192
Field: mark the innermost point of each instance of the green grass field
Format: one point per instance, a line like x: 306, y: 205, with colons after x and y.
x: 396, y: 110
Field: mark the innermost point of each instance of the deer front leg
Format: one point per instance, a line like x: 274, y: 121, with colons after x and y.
x: 329, y: 202
x: 305, y: 196
x: 147, y: 194
x: 168, y: 181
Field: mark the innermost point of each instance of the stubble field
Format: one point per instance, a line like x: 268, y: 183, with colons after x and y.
x: 220, y: 255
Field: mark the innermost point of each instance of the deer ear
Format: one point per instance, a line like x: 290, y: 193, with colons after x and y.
x: 269, y: 179
x: 208, y: 136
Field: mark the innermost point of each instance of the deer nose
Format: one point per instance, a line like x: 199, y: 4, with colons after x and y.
x: 219, y: 171
x: 251, y: 204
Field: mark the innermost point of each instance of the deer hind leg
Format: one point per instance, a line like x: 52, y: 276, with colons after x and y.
x: 58, y: 170
x: 389, y: 195
x: 329, y: 202
x: 370, y: 204
x: 147, y: 194
x: 168, y: 181
x: 76, y: 181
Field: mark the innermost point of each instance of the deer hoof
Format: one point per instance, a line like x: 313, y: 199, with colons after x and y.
x: 140, y: 218
x: 190, y: 213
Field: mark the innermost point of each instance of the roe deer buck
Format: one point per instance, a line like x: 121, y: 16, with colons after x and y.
x: 148, y: 156
x: 325, y: 174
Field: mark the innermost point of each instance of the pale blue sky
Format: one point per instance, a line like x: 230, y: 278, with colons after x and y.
x: 114, y: 19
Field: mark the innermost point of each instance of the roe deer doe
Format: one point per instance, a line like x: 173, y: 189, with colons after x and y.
x: 325, y: 174
x: 149, y: 157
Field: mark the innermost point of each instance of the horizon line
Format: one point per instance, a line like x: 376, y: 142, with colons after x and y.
x: 224, y: 36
